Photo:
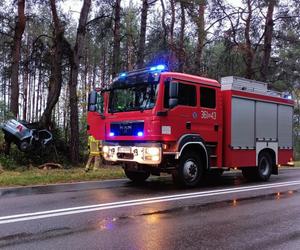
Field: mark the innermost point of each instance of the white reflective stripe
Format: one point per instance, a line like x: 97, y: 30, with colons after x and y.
x: 138, y: 202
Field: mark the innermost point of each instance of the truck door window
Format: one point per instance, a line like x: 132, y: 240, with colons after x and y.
x: 166, y: 94
x: 187, y: 95
x: 207, y: 97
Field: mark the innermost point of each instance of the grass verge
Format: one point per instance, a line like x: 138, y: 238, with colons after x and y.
x: 297, y: 164
x: 43, y: 177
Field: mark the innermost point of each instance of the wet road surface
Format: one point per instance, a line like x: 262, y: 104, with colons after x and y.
x: 224, y: 213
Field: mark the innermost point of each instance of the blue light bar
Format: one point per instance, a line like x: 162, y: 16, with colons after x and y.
x: 158, y: 67
x: 111, y: 134
x: 123, y: 74
x: 140, y: 133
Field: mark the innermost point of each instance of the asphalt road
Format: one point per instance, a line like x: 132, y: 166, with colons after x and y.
x: 224, y: 213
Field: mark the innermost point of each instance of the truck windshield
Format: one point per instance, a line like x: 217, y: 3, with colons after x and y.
x: 133, y: 97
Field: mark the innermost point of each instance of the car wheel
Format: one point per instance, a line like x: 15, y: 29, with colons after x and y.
x: 24, y: 146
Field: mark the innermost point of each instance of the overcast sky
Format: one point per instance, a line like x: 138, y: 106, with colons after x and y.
x: 75, y: 5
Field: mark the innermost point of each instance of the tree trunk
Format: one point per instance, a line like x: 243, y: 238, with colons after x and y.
x: 75, y: 61
x: 102, y: 68
x: 25, y: 89
x: 267, y: 40
x: 117, y: 40
x: 171, y: 44
x: 163, y: 21
x: 141, y: 50
x: 16, y: 54
x: 181, y: 39
x: 55, y: 81
x: 248, y: 52
x: 33, y: 96
x: 201, y: 37
x: 38, y: 95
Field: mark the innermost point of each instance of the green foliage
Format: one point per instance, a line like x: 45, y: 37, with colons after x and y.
x: 5, y: 114
x: 7, y: 162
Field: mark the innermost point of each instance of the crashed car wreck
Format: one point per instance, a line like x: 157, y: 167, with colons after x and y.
x: 27, y: 136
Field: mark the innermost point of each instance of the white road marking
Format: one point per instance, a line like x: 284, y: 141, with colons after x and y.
x: 137, y: 202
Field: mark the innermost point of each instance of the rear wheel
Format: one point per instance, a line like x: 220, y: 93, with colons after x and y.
x: 190, y: 170
x: 137, y: 177
x: 263, y: 171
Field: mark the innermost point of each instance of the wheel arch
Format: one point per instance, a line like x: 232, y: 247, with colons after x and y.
x: 193, y: 143
x: 272, y: 154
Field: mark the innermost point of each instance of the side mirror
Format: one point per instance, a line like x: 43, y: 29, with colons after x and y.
x: 92, y: 108
x: 173, y: 94
x: 93, y: 97
x: 92, y: 101
x: 173, y: 102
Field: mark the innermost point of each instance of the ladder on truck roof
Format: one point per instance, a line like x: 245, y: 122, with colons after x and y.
x: 247, y: 85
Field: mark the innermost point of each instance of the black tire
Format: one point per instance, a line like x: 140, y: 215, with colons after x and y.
x: 24, y: 146
x: 190, y: 170
x: 265, y: 166
x: 263, y: 171
x: 137, y: 177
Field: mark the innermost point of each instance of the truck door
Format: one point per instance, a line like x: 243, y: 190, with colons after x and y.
x: 182, y: 116
x: 95, y: 116
x: 210, y: 121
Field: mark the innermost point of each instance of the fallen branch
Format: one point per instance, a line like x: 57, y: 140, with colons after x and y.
x: 50, y: 165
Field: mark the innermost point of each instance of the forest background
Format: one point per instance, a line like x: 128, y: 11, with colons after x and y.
x: 51, y: 58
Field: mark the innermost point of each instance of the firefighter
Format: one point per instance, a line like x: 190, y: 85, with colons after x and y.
x: 94, y: 154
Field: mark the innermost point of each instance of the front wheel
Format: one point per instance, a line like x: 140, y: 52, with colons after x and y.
x: 190, y: 170
x: 137, y: 177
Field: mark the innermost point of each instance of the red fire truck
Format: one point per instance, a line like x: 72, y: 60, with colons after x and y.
x: 153, y: 121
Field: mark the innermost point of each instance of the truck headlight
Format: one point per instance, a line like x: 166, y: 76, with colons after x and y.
x: 105, y: 149
x: 153, y: 151
x: 152, y: 154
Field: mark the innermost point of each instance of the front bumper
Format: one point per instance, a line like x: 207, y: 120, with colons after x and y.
x: 142, y: 153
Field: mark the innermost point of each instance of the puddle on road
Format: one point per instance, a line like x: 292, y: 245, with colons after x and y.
x: 219, y: 204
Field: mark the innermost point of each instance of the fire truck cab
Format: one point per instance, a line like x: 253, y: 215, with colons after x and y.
x: 154, y: 121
